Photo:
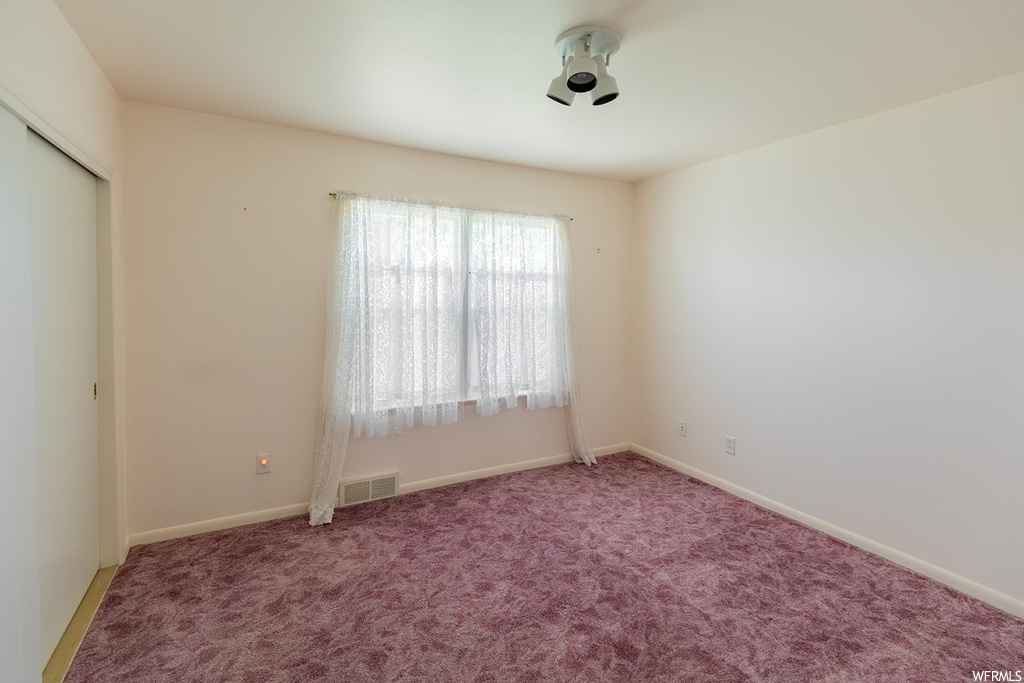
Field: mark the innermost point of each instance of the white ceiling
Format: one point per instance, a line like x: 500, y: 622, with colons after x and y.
x: 699, y: 79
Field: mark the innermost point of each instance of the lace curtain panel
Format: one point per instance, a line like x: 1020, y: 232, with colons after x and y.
x: 431, y: 306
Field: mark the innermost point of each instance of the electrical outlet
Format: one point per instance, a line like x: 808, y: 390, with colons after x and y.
x: 682, y: 428
x: 730, y: 445
x: 263, y: 463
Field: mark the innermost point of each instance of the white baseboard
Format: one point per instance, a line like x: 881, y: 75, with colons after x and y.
x: 504, y: 469
x: 218, y: 523
x: 954, y: 581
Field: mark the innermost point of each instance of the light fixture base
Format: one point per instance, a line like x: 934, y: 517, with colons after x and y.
x: 603, y: 41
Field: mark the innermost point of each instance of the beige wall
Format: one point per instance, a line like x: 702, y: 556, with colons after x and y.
x: 227, y: 257
x: 849, y: 305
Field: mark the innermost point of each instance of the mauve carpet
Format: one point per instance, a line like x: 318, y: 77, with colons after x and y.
x: 626, y: 571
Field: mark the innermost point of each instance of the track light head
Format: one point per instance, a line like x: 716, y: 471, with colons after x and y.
x: 585, y: 51
x: 607, y: 89
x: 559, y: 91
x: 581, y: 70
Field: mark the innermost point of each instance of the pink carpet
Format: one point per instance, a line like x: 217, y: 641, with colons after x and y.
x: 626, y: 571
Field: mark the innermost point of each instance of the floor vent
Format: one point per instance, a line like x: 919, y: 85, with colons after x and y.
x: 372, y: 488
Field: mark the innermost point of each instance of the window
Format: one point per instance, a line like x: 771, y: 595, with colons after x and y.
x: 453, y: 305
x: 432, y: 306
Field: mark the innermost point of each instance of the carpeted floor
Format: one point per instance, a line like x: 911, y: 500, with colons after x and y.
x: 626, y: 571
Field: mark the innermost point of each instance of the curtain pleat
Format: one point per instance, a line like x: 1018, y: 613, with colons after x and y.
x: 344, y: 335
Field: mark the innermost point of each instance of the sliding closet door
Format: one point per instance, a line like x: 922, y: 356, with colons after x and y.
x: 62, y: 225
x: 19, y: 587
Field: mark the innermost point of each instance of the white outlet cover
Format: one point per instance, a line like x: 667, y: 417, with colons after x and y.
x: 730, y: 445
x: 682, y: 428
x: 262, y: 468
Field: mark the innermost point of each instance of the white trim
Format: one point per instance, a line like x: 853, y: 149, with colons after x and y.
x: 504, y: 469
x: 988, y: 595
x: 120, y: 388
x: 219, y: 523
x: 216, y: 524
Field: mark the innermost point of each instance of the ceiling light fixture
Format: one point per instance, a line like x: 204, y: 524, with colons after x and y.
x: 585, y: 52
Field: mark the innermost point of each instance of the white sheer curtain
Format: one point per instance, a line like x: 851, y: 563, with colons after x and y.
x: 407, y: 308
x: 522, y: 309
x: 431, y: 306
x: 512, y: 283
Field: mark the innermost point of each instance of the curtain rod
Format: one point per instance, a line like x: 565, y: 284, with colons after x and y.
x: 335, y: 195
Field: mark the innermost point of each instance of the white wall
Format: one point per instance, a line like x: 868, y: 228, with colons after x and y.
x: 228, y: 226
x: 849, y: 305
